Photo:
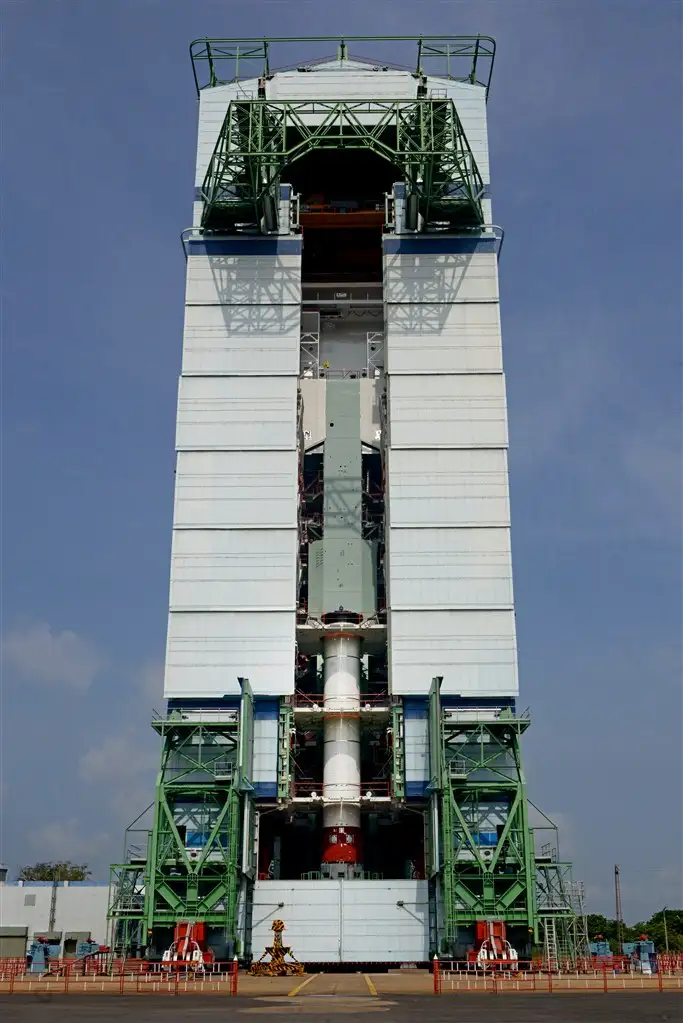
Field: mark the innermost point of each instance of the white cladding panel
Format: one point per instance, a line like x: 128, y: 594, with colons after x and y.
x: 449, y: 568
x: 448, y: 487
x: 474, y: 651
x: 265, y: 749
x: 349, y: 921
x: 457, y: 338
x: 342, y: 80
x: 376, y: 927
x: 243, y: 280
x: 207, y: 652
x: 311, y: 910
x: 229, y: 340
x: 466, y: 411
x: 236, y: 413
x: 440, y: 277
x: 416, y: 743
x: 77, y: 907
x: 234, y: 570
x: 236, y: 489
x: 470, y: 102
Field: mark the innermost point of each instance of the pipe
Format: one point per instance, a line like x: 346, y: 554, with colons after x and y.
x: 341, y: 770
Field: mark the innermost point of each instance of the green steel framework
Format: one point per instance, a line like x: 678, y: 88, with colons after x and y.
x: 475, y: 763
x: 205, y: 777
x: 422, y: 139
x: 459, y: 58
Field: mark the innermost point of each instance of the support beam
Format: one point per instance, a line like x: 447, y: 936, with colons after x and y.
x: 423, y: 140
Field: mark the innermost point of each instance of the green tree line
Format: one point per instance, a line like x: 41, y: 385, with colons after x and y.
x: 63, y: 870
x: 662, y: 926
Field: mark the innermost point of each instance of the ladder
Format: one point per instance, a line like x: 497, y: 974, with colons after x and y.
x: 550, y: 944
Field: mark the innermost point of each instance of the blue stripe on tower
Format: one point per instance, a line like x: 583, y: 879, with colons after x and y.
x: 415, y: 707
x: 416, y: 789
x: 265, y: 789
x: 251, y: 246
x: 426, y: 244
x: 266, y: 710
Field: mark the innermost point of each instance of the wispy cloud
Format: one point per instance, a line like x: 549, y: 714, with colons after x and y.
x: 67, y: 840
x: 39, y: 654
x: 118, y: 758
x: 150, y: 681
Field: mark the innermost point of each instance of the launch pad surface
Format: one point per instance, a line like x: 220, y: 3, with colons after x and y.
x: 596, y: 1008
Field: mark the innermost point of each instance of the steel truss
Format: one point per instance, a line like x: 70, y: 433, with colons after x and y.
x: 193, y: 866
x: 423, y: 139
x: 125, y: 912
x: 478, y: 784
x: 458, y: 58
x: 561, y: 915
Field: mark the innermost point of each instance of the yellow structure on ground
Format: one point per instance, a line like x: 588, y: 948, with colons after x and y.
x: 278, y: 966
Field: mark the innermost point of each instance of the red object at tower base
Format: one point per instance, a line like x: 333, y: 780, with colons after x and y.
x: 341, y: 845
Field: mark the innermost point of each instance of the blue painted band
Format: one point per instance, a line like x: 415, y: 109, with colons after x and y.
x: 265, y: 789
x: 415, y: 707
x: 416, y: 789
x: 248, y: 246
x: 266, y: 710
x: 428, y: 244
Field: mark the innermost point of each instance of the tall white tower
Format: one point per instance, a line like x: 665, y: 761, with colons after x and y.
x: 341, y: 670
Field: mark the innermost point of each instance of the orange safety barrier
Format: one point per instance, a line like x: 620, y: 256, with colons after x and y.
x: 500, y: 977
x: 139, y: 983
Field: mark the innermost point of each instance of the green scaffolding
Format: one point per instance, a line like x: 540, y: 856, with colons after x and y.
x: 192, y: 869
x: 423, y: 139
x: 476, y: 772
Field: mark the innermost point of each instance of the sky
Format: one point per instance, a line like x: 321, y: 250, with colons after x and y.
x: 98, y: 139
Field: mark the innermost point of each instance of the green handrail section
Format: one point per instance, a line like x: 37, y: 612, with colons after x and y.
x: 217, y: 62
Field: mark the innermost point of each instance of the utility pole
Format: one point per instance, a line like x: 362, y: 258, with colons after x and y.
x: 620, y: 918
x: 666, y: 932
x: 53, y: 901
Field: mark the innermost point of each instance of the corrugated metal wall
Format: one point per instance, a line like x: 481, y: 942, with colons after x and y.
x: 345, y: 921
x: 78, y: 907
x: 234, y: 557
x: 448, y: 547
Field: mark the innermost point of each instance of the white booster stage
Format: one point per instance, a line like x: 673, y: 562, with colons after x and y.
x: 341, y: 764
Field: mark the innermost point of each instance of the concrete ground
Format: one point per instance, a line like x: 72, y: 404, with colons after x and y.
x: 331, y: 997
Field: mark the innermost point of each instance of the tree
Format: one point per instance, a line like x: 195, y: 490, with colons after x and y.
x: 60, y: 871
x: 653, y: 928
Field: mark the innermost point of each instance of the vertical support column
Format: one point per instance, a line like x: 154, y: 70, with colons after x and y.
x: 398, y: 773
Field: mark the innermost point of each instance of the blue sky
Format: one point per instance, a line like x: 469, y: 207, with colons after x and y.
x: 97, y: 166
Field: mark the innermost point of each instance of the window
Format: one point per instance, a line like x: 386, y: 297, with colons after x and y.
x: 29, y: 900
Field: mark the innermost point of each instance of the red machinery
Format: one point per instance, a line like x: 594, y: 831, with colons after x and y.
x: 492, y: 951
x: 189, y: 950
